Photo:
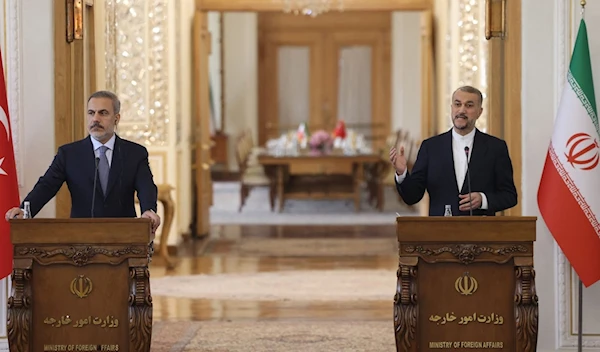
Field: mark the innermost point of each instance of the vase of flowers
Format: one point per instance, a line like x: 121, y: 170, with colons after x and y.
x: 320, y: 141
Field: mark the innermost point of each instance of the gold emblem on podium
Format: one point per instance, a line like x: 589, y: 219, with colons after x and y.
x: 466, y: 284
x: 81, y: 286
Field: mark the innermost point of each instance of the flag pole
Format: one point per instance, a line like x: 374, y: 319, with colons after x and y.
x: 580, y: 318
x: 580, y: 298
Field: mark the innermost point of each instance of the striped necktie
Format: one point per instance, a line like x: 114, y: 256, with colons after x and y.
x: 103, y: 168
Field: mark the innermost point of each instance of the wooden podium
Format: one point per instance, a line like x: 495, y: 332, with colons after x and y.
x: 466, y: 284
x: 80, y: 285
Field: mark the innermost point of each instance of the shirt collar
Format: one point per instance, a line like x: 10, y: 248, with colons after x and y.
x: 110, y: 144
x: 466, y: 139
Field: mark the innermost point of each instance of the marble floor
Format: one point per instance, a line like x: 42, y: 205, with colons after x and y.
x: 258, y: 249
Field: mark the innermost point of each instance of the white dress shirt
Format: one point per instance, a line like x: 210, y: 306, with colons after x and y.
x: 109, y: 152
x: 460, y: 161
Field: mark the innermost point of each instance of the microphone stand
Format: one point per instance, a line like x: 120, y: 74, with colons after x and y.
x: 469, y: 182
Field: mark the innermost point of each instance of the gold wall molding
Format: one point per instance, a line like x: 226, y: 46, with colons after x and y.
x: 466, y: 57
x: 137, y: 54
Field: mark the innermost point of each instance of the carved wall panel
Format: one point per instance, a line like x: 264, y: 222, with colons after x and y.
x: 466, y: 56
x: 12, y: 61
x: 158, y: 165
x: 137, y: 54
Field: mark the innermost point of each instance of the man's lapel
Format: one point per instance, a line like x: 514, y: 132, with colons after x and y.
x: 477, y: 159
x: 89, y: 165
x: 116, y: 166
x: 449, y: 155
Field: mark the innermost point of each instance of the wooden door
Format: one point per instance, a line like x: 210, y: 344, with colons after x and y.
x: 371, y: 50
x: 201, y: 126
x: 504, y: 26
x: 275, y: 112
x: 323, y: 45
x: 74, y: 76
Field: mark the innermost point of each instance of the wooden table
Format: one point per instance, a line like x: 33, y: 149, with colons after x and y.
x: 310, y: 175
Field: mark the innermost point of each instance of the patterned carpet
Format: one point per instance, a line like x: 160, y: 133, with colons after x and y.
x: 257, y: 209
x: 293, y: 285
x: 312, y: 247
x: 273, y: 336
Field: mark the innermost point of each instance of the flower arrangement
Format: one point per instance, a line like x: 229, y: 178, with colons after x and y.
x: 320, y: 140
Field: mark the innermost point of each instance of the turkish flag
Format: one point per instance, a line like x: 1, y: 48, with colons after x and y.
x: 9, y: 187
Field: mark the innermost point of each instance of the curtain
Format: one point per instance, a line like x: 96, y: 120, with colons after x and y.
x: 354, y: 87
x: 293, y: 86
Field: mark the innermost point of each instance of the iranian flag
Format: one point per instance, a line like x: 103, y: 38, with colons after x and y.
x: 568, y: 195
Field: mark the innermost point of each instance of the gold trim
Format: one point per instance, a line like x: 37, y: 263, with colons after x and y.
x: 489, y: 32
x: 78, y: 19
x: 466, y: 285
x: 163, y: 154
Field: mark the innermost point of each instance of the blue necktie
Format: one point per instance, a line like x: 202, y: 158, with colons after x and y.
x: 103, y: 168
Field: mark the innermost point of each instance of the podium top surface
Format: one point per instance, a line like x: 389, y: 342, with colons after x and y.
x: 81, y: 230
x: 466, y: 228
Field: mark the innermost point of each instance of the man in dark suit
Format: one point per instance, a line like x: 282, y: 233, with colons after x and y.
x: 441, y: 165
x: 102, y: 171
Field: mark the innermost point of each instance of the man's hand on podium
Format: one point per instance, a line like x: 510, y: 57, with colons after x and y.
x: 149, y: 214
x: 14, y: 213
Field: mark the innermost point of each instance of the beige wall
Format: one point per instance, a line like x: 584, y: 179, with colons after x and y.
x: 28, y: 58
x: 547, y: 44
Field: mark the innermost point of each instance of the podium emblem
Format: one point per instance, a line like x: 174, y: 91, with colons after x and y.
x: 466, y: 285
x: 81, y: 286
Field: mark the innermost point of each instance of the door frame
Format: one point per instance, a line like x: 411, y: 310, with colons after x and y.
x: 504, y: 58
x: 426, y: 7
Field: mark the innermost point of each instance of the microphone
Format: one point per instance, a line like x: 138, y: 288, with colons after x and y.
x: 97, y: 160
x: 469, y: 181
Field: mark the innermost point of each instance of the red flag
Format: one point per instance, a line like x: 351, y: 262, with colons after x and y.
x: 9, y: 187
x: 568, y: 191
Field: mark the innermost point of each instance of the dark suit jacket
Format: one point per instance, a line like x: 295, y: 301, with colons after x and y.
x: 490, y: 168
x: 75, y: 164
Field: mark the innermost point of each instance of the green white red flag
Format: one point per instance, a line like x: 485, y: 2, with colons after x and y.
x: 568, y: 194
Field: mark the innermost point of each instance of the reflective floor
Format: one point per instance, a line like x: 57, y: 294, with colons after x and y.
x: 253, y: 249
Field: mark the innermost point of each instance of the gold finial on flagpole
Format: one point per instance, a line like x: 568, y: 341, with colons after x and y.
x: 582, y: 3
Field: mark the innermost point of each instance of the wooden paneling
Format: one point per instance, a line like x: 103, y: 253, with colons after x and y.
x: 201, y: 124
x: 512, y: 94
x: 505, y: 92
x: 71, y: 65
x: 475, y: 282
x: 428, y: 79
x: 269, y: 42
